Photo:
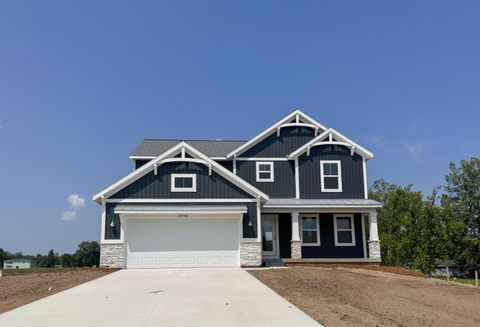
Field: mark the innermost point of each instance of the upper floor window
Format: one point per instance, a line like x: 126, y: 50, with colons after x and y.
x: 184, y: 183
x: 310, y: 229
x: 331, y: 175
x: 265, y: 172
x: 344, y: 230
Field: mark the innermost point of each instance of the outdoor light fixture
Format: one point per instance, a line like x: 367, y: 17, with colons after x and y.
x: 249, y: 223
x: 112, y: 224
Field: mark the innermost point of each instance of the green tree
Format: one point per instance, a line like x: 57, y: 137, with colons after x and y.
x: 462, y: 199
x: 4, y: 255
x: 88, y: 254
x: 68, y: 260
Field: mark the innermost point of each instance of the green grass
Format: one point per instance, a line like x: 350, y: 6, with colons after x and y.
x: 469, y: 281
x: 18, y: 272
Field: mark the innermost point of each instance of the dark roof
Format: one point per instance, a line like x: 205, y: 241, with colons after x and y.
x: 211, y: 148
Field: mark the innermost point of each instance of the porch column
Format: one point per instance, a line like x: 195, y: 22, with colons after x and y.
x: 295, y: 243
x: 373, y: 242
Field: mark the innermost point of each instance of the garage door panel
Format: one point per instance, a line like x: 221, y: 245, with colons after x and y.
x: 153, y: 243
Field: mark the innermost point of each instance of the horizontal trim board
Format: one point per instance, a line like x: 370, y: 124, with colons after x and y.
x: 160, y: 213
x: 178, y: 200
x: 153, y: 157
x: 319, y: 206
x: 262, y: 159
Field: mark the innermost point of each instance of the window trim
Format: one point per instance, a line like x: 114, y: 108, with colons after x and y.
x: 257, y: 165
x: 336, y: 230
x: 181, y: 189
x: 339, y: 176
x: 317, y: 217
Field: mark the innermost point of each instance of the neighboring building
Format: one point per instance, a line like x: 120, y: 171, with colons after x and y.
x: 295, y: 192
x: 441, y: 268
x: 18, y: 264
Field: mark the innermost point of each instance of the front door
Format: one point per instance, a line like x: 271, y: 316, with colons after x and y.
x: 269, y: 236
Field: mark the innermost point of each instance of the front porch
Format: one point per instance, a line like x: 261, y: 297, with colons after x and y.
x: 315, y: 234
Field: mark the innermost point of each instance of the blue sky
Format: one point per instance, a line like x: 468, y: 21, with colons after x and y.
x: 81, y: 83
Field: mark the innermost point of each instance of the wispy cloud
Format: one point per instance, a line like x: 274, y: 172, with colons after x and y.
x: 69, y: 216
x: 415, y: 151
x: 76, y: 201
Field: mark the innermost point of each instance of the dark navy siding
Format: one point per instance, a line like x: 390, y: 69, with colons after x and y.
x: 248, y: 231
x: 284, y: 178
x: 327, y: 248
x: 228, y: 164
x: 285, y: 234
x: 153, y: 186
x: 290, y: 139
x: 352, y: 173
x: 140, y: 163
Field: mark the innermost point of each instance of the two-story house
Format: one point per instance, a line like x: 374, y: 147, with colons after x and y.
x: 295, y: 192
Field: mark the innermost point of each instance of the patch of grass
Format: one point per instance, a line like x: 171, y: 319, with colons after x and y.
x: 18, y: 272
x: 469, y: 281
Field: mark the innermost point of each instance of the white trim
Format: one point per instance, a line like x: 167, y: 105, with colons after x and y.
x: 297, y: 180
x: 104, y: 217
x: 173, y: 188
x: 297, y: 124
x: 153, y: 157
x: 272, y: 171
x: 148, y: 167
x: 363, y: 238
x: 295, y: 227
x: 339, y: 176
x: 317, y: 218
x: 259, y: 221
x: 177, y: 200
x: 352, y: 230
x: 273, y: 128
x: 234, y: 164
x: 275, y: 254
x: 175, y: 214
x: 340, y: 140
x: 365, y: 183
x: 262, y: 159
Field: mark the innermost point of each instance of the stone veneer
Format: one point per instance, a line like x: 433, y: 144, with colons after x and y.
x: 250, y: 254
x: 374, y: 250
x: 112, y: 255
x: 296, y: 248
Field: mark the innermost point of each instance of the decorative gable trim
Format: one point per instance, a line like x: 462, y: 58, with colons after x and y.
x: 301, y: 119
x: 169, y: 156
x: 332, y: 137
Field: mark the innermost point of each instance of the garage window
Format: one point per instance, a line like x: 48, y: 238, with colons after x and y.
x: 184, y: 183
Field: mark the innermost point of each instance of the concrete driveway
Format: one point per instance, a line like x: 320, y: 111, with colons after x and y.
x: 163, y: 297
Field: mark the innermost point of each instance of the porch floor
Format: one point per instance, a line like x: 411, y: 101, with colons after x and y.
x: 333, y: 261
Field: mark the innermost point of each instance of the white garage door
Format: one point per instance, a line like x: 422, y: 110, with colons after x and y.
x: 192, y: 242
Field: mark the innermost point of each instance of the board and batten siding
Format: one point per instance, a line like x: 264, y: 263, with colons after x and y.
x: 158, y: 186
x: 310, y: 176
x: 327, y: 248
x: 290, y: 139
x: 283, y: 185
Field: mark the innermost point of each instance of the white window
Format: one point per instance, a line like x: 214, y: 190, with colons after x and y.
x: 310, y: 229
x: 331, y: 175
x: 344, y: 230
x: 183, y: 183
x: 264, y: 171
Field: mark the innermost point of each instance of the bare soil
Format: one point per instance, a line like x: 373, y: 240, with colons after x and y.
x: 358, y: 297
x: 23, y: 286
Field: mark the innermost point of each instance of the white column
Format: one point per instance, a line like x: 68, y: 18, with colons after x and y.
x: 295, y: 243
x: 295, y: 227
x: 373, y: 226
x: 374, y: 242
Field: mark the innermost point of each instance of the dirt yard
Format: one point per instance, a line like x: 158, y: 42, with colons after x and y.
x: 354, y: 297
x: 20, y: 287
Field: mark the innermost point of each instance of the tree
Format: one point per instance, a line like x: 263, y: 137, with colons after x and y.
x: 68, y: 260
x: 4, y: 255
x: 462, y: 199
x: 88, y: 254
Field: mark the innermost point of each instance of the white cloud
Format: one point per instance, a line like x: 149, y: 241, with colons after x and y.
x: 415, y: 151
x: 69, y: 216
x: 76, y: 201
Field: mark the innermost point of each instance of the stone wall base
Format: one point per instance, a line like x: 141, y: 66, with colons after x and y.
x: 250, y: 254
x: 374, y: 250
x: 296, y: 248
x: 112, y: 255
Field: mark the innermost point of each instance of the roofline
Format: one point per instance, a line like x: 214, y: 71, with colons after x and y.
x: 357, y: 148
x: 145, y: 169
x: 272, y: 129
x: 153, y: 157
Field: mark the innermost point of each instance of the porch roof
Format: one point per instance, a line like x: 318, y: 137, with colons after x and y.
x: 171, y: 208
x: 323, y: 203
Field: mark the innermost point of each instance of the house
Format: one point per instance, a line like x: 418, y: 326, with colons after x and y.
x: 20, y: 263
x: 295, y: 192
x: 441, y: 268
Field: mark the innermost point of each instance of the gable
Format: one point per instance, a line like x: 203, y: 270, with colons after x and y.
x: 282, y: 144
x: 159, y: 185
